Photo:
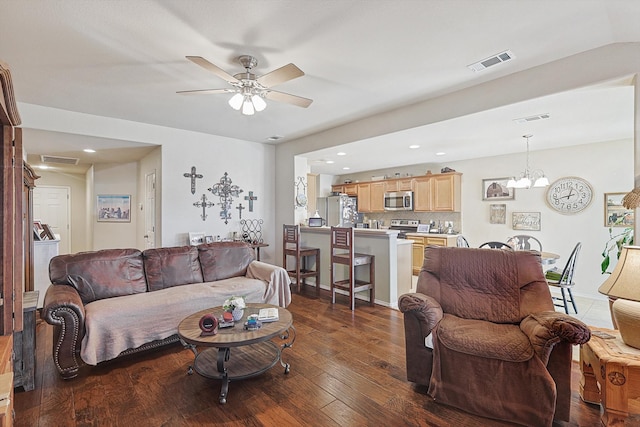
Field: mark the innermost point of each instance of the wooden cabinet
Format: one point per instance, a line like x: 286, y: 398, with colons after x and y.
x: 338, y: 188
x: 351, y: 189
x: 421, y: 241
x: 364, y: 197
x: 437, y: 193
x: 404, y: 184
x: 378, y: 189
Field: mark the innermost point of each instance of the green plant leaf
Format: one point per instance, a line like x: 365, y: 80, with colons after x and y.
x: 605, y: 264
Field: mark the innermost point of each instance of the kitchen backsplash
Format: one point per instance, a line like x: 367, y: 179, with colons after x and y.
x: 423, y: 217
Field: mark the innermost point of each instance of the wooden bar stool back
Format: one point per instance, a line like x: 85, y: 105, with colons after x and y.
x: 291, y: 248
x: 343, y: 253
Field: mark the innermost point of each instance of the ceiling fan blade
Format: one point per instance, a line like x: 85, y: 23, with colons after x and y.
x: 280, y: 75
x: 205, y: 91
x: 288, y: 98
x: 213, y: 68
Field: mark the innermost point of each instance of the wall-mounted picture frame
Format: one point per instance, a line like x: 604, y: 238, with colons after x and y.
x: 529, y: 221
x: 113, y: 208
x: 196, y: 238
x: 616, y: 215
x: 498, y: 213
x: 496, y: 189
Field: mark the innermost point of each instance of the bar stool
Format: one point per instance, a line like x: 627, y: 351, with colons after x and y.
x: 291, y: 248
x: 342, y: 252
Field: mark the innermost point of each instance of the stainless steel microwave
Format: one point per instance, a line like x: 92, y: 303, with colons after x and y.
x: 398, y: 201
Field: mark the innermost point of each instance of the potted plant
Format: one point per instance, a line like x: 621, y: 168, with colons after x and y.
x: 614, y: 244
x: 235, y: 305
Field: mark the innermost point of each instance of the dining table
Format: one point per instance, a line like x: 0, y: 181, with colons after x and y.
x: 548, y: 258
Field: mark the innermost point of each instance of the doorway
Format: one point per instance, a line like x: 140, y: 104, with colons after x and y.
x: 150, y: 210
x: 51, y: 205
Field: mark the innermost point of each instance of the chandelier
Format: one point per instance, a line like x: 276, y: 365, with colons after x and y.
x: 527, y: 177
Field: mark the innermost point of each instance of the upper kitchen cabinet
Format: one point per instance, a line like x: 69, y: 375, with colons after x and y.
x: 350, y: 189
x: 378, y: 189
x: 364, y: 197
x: 437, y: 193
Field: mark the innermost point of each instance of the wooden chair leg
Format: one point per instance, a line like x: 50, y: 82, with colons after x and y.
x: 372, y: 281
x: 317, y: 276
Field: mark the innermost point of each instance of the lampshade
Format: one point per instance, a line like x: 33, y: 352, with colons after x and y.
x: 527, y: 177
x: 623, y: 281
x: 236, y: 101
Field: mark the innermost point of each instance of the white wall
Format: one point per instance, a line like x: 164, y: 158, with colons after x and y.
x: 115, y: 179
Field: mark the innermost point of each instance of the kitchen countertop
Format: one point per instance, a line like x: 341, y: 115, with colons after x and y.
x: 431, y: 235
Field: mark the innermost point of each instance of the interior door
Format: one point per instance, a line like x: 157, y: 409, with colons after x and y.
x: 51, y: 205
x: 150, y: 210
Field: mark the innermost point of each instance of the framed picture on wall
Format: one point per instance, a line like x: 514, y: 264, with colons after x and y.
x: 114, y: 208
x: 616, y: 215
x: 497, y: 214
x: 496, y: 189
x: 525, y: 221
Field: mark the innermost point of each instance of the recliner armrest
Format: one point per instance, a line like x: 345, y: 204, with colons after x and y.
x: 423, y: 307
x: 64, y: 310
x: 547, y: 328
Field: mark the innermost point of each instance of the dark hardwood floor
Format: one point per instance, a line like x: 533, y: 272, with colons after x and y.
x: 347, y: 369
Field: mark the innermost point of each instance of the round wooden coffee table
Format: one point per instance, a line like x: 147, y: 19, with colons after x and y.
x: 235, y: 353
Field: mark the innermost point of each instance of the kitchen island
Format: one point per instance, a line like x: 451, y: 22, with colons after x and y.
x: 393, y: 260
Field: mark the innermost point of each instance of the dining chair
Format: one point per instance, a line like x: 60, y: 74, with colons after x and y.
x: 461, y: 242
x: 343, y: 253
x: 524, y: 242
x: 495, y: 245
x: 291, y: 248
x: 564, y: 281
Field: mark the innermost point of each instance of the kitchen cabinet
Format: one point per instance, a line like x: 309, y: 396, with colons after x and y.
x: 378, y: 189
x: 437, y: 193
x: 420, y: 241
x: 351, y: 189
x: 338, y: 188
x: 364, y: 197
x: 404, y: 184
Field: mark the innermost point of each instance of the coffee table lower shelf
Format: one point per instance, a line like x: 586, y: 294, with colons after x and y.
x: 236, y: 363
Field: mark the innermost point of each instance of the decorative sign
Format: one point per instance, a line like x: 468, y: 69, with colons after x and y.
x: 526, y: 221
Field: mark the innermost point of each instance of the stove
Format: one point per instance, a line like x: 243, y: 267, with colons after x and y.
x: 404, y: 226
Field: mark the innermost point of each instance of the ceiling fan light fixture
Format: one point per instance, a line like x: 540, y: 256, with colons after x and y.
x: 247, y: 107
x: 258, y: 102
x: 236, y: 101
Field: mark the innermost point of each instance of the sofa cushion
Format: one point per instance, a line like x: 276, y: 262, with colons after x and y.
x: 222, y: 260
x: 100, y: 274
x: 167, y: 267
x: 484, y: 339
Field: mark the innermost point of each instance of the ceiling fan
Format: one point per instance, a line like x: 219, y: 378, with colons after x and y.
x: 250, y: 90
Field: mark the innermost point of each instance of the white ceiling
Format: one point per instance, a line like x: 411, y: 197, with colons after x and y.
x: 126, y: 59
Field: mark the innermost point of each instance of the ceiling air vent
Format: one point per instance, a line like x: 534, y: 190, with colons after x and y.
x: 59, y: 160
x: 532, y: 118
x: 496, y: 59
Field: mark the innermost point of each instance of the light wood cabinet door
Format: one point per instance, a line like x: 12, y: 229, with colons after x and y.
x: 377, y: 196
x: 446, y: 192
x: 422, y: 194
x: 417, y: 257
x: 364, y: 197
x: 404, y: 184
x: 351, y: 189
x: 390, y: 185
x: 337, y: 188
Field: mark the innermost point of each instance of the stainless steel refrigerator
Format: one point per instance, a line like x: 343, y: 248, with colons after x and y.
x: 339, y: 210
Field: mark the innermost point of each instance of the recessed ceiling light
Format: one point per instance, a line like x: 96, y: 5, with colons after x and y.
x: 43, y: 167
x: 346, y: 168
x: 414, y: 146
x: 440, y: 153
x: 274, y: 138
x: 341, y: 153
x: 89, y: 150
x: 330, y: 162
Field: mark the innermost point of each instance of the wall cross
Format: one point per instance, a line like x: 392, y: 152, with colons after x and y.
x: 251, y: 198
x: 193, y: 175
x: 240, y: 208
x: 203, y: 203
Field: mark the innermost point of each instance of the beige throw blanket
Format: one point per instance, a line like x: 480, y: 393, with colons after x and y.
x: 114, y: 325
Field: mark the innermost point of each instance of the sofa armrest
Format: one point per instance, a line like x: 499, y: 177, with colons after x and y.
x: 64, y: 310
x: 277, y: 279
x: 426, y: 309
x: 547, y: 328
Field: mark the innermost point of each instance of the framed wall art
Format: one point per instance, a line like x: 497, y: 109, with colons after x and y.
x: 496, y: 189
x: 525, y: 221
x: 497, y: 214
x: 616, y: 215
x: 197, y: 238
x: 114, y: 208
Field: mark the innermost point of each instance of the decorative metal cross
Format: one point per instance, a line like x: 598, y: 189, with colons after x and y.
x: 250, y: 198
x: 203, y: 203
x: 240, y: 208
x: 226, y: 192
x: 193, y: 175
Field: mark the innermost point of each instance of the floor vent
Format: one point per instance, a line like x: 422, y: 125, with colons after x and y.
x: 496, y: 59
x: 532, y: 118
x: 59, y: 160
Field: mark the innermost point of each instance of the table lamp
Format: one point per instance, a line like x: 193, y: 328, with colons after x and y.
x: 623, y: 285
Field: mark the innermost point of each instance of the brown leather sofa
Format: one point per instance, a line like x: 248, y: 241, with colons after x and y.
x: 482, y: 333
x: 108, y: 303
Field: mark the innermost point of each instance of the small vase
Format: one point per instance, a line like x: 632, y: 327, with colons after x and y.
x: 237, y: 313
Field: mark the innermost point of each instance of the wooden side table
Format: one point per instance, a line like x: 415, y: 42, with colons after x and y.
x: 609, y: 362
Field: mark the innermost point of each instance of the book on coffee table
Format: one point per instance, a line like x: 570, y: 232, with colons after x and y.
x: 268, y: 314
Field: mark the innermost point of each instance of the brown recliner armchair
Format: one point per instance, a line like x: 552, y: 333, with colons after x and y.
x: 499, y: 350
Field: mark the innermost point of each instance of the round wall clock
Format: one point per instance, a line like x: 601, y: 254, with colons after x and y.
x: 569, y: 195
